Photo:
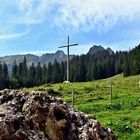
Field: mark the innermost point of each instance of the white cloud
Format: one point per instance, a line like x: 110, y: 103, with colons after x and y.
x: 33, y: 11
x: 86, y: 15
x: 14, y: 35
x: 96, y: 13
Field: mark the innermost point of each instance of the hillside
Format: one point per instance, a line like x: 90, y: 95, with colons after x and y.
x: 121, y: 114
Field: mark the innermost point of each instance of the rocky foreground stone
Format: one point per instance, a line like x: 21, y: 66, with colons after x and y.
x: 38, y: 116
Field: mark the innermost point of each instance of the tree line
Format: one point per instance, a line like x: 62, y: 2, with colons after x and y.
x: 34, y: 75
x: 132, y: 62
x: 82, y: 68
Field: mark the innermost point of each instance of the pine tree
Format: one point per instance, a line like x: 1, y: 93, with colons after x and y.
x: 99, y: 70
x: 31, y: 76
x: 14, y: 70
x: 62, y: 67
x: 88, y: 74
x: 19, y: 74
x: 5, y: 76
x: 93, y: 71
x: 56, y: 73
x: 49, y: 73
x: 81, y: 70
x: 89, y: 68
x: 75, y: 73
x: 14, y: 79
x: 135, y: 70
x: 38, y: 74
x: 44, y: 74
x: 126, y: 68
x: 24, y: 72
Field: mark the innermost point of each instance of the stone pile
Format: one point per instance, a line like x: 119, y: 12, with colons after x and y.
x: 38, y: 116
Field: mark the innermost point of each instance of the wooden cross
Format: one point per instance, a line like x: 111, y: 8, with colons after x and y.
x: 68, y: 45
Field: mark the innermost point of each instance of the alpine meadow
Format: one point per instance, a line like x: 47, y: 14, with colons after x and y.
x: 70, y: 70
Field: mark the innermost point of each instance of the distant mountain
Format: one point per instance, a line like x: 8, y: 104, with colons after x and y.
x: 95, y: 49
x: 110, y: 51
x: 48, y: 57
x: 19, y: 58
x: 44, y: 59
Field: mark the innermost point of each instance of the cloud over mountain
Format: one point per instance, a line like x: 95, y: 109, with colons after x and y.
x: 89, y: 14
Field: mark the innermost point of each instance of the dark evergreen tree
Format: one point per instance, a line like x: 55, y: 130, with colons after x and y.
x: 56, y: 73
x: 81, y: 77
x: 44, y: 74
x: 5, y: 76
x: 74, y: 69
x: 132, y: 63
x: 24, y: 72
x: 31, y: 76
x: 14, y: 79
x: 90, y: 64
x: 63, y: 72
x: 93, y: 71
x: 49, y: 73
x: 38, y: 74
x: 14, y: 70
x: 19, y: 74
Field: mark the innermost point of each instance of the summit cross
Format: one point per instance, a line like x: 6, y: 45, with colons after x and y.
x: 68, y: 58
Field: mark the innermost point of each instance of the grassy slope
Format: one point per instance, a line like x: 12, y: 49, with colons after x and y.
x: 122, y: 114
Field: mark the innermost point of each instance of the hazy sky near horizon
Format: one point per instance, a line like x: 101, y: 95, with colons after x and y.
x: 41, y: 26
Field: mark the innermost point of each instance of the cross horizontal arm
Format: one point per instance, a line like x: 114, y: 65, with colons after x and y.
x: 73, y: 45
x: 68, y: 45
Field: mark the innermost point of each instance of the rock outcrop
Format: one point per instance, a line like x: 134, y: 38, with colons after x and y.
x: 38, y: 116
x: 98, y: 48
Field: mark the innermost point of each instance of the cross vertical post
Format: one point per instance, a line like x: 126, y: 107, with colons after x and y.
x: 68, y: 58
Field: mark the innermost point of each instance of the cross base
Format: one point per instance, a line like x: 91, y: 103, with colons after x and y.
x: 67, y: 82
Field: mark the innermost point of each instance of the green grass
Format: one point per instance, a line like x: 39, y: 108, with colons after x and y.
x: 122, y: 114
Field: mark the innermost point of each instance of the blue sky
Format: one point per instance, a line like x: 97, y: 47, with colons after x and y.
x: 41, y: 26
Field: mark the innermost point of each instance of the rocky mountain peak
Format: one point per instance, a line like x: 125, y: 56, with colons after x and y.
x: 59, y: 52
x: 110, y: 51
x: 95, y: 49
x: 98, y: 48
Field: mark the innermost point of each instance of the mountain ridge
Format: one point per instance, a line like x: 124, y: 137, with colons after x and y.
x: 59, y: 55
x: 31, y: 58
